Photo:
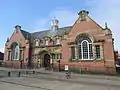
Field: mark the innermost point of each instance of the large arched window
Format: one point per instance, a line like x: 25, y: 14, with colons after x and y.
x: 15, y: 51
x: 85, y: 48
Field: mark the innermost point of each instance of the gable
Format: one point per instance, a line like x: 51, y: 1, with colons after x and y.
x: 86, y: 25
x: 17, y: 36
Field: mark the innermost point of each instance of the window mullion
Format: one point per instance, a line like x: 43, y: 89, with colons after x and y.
x: 82, y: 51
x: 88, y: 50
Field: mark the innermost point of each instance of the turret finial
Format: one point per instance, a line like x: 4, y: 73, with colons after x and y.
x: 106, y: 27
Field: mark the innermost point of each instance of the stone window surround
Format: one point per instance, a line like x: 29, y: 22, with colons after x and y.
x: 93, y: 48
x: 10, y: 50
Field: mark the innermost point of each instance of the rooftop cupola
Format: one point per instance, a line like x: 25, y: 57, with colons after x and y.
x: 54, y: 24
x: 83, y: 15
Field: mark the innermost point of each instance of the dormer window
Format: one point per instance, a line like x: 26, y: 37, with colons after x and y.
x: 37, y: 42
x: 46, y: 42
x: 57, y: 41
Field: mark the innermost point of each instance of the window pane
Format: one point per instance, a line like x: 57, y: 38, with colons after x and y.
x: 60, y: 56
x: 79, y: 51
x: 97, y: 51
x: 46, y: 42
x: 37, y: 43
x: 90, y: 51
x: 85, y: 50
x: 57, y: 56
x: 73, y: 52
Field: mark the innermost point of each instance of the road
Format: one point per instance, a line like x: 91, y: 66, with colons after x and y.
x: 57, y: 81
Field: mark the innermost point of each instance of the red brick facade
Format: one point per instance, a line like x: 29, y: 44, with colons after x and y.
x: 84, y: 26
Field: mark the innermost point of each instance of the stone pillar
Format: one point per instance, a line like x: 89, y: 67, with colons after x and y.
x: 94, y: 52
x: 76, y: 52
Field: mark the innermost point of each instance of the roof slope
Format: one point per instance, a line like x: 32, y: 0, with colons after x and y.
x: 41, y: 34
x: 25, y: 34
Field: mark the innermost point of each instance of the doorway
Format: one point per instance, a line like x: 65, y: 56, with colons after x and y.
x: 46, y: 60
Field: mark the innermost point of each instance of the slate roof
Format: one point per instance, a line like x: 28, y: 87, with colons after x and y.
x: 41, y: 34
x: 25, y: 34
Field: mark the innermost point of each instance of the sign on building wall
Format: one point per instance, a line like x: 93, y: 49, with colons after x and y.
x: 66, y: 67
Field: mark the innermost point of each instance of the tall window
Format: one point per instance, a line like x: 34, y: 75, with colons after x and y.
x: 73, y: 52
x: 97, y: 47
x: 85, y: 48
x: 15, y: 51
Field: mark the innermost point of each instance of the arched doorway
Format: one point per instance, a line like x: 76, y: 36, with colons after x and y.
x: 46, y: 60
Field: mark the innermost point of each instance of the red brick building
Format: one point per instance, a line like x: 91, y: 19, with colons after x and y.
x: 84, y: 45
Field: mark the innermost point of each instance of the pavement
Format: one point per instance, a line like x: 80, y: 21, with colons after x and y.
x: 49, y: 80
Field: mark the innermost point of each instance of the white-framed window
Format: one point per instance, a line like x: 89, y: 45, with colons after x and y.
x: 15, y: 51
x: 46, y: 42
x: 85, y: 49
x: 57, y: 41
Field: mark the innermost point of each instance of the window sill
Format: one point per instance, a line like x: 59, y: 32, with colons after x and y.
x: 89, y: 60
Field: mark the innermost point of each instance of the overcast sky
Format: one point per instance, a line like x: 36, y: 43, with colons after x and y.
x: 35, y: 15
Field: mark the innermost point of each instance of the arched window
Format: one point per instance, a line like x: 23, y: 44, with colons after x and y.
x: 15, y: 51
x: 85, y: 48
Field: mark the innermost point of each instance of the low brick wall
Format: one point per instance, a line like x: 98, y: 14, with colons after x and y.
x: 97, y: 67
x: 14, y: 64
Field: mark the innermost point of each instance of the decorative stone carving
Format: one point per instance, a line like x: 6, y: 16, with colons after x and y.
x: 83, y: 14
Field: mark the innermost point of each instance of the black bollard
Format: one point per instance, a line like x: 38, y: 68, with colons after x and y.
x: 33, y: 72
x: 68, y: 75
x: 9, y: 73
x: 19, y: 74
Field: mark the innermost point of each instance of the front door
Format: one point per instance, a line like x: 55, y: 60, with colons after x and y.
x: 46, y: 60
